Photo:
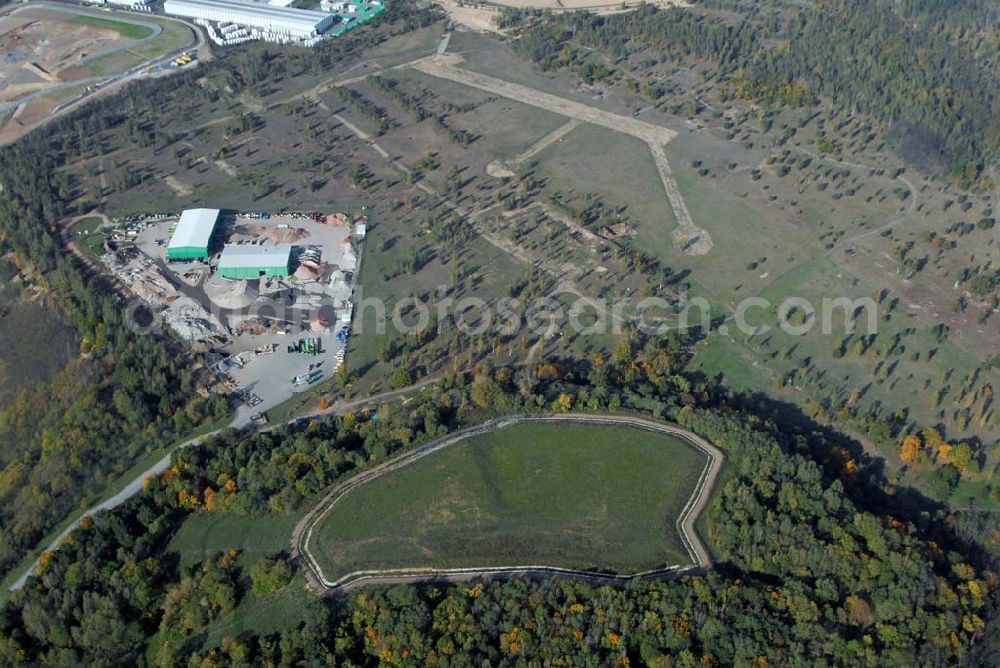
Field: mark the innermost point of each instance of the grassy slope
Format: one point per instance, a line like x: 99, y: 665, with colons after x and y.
x: 205, y: 534
x: 174, y: 36
x: 127, y: 30
x: 568, y: 495
x: 35, y: 344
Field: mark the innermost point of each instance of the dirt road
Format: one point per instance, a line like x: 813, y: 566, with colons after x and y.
x: 124, y: 494
x: 688, y: 237
x: 700, y: 556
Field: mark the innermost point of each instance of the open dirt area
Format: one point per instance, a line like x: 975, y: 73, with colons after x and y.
x: 600, y: 6
x: 55, y: 56
x: 481, y: 18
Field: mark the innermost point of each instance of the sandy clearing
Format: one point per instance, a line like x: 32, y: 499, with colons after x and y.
x: 480, y: 18
x: 182, y: 189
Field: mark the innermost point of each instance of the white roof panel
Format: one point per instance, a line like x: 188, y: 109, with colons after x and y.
x: 250, y: 257
x: 246, y: 12
x: 195, y: 228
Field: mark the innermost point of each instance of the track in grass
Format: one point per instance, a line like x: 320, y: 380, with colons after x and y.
x: 577, y: 494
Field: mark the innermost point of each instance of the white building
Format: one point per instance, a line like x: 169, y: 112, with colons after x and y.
x: 298, y: 23
x: 134, y: 5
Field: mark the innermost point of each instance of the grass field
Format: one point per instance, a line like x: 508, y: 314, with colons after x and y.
x: 128, y: 30
x: 205, y: 534
x: 568, y: 495
x: 174, y: 36
x: 254, y: 616
x: 86, y: 233
x: 618, y: 167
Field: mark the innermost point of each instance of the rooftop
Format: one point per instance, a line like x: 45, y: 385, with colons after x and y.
x: 194, y: 229
x: 250, y: 257
x: 276, y: 12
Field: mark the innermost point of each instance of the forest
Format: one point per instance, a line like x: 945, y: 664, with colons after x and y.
x: 865, y: 57
x: 812, y: 563
x: 61, y: 441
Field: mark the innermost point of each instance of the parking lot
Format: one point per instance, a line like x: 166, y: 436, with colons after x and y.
x: 268, y: 379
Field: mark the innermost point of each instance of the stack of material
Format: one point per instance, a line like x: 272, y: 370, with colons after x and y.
x: 318, y: 324
x: 234, y: 295
x: 308, y: 271
x: 279, y: 236
x: 190, y: 320
x: 256, y: 326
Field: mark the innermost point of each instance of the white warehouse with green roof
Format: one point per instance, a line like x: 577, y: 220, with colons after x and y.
x: 192, y: 239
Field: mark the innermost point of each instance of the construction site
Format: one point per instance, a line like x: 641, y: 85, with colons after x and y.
x: 268, y: 298
x: 42, y: 47
x: 53, y: 56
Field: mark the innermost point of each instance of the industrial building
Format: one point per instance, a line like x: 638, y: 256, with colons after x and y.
x: 297, y: 23
x: 255, y: 261
x: 193, y: 236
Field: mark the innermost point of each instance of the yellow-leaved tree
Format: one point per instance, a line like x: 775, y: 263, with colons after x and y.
x: 910, y: 448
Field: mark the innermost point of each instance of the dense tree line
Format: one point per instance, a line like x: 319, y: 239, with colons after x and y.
x: 818, y: 561
x: 928, y: 64
x: 107, y: 590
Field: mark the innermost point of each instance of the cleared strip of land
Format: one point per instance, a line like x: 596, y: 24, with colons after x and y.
x: 688, y: 237
x: 500, y: 169
x: 442, y: 67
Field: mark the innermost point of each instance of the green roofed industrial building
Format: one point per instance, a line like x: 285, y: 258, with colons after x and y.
x: 255, y: 261
x: 193, y: 237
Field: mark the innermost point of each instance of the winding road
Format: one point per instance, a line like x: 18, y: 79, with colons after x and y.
x: 700, y: 556
x: 134, y: 486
